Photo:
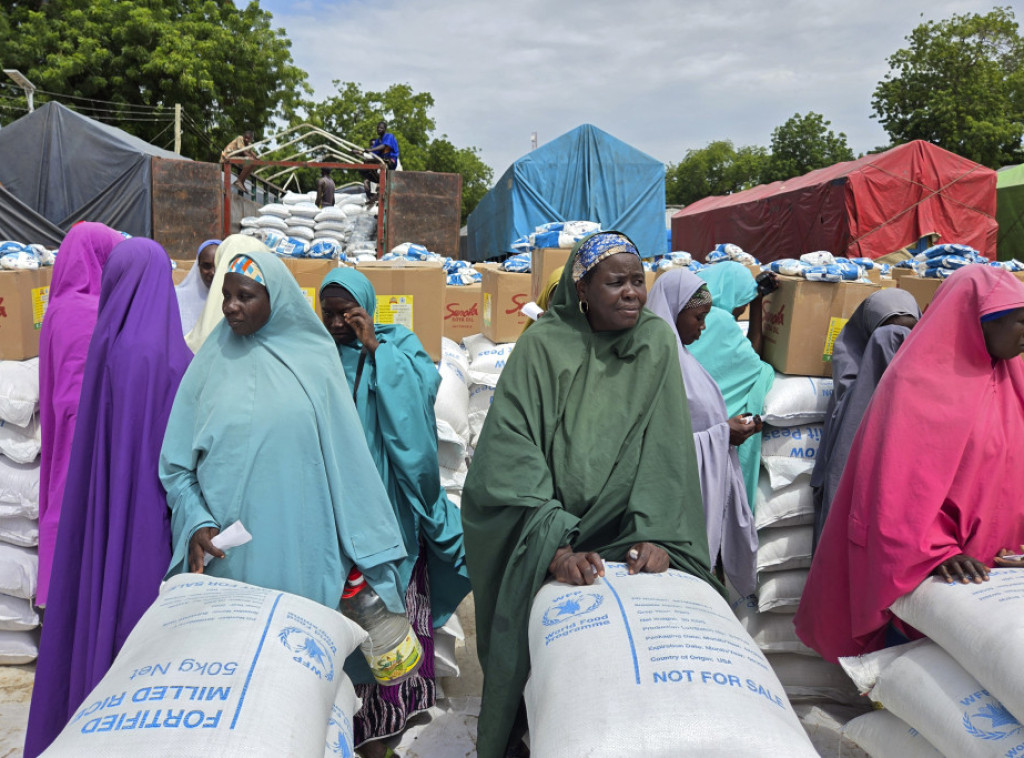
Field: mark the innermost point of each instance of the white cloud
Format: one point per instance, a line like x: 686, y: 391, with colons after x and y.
x: 664, y: 75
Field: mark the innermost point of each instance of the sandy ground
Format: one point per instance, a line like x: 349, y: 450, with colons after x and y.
x: 15, y: 694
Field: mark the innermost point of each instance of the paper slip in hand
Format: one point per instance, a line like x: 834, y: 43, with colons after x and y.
x: 233, y: 536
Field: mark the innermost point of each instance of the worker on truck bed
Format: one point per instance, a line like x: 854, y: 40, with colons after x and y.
x: 386, y: 147
x: 325, y: 189
x: 243, y: 140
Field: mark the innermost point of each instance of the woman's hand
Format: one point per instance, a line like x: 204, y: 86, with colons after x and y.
x: 742, y: 426
x: 362, y: 324
x: 647, y: 557
x: 200, y: 544
x: 575, y: 568
x: 962, y: 568
x: 1004, y: 561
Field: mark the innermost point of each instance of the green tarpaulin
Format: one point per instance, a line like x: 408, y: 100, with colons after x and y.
x: 1010, y: 212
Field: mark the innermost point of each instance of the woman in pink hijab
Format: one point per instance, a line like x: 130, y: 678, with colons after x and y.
x: 63, y: 346
x: 934, y: 483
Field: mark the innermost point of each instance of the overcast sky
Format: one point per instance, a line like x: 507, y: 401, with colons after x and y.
x: 665, y: 76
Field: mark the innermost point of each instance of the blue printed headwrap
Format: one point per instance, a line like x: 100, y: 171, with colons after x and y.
x: 596, y: 248
x: 246, y: 266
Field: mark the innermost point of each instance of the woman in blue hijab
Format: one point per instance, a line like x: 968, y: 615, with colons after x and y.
x: 260, y: 434
x: 394, y: 384
x: 731, y: 358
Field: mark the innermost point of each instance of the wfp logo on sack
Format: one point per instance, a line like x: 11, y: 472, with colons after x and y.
x: 307, y: 651
x: 339, y: 730
x: 571, y: 605
x: 991, y: 722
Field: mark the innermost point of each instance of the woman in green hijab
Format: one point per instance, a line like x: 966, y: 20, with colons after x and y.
x: 732, y: 359
x: 587, y: 454
x: 394, y: 384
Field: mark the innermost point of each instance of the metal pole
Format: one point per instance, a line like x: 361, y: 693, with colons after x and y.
x: 177, y: 128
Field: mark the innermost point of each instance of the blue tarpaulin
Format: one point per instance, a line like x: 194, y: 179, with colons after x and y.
x: 584, y: 175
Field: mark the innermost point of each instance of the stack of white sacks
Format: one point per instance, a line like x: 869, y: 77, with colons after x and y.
x: 297, y: 228
x: 19, y: 509
x: 958, y: 693
x: 794, y: 413
x: 469, y: 374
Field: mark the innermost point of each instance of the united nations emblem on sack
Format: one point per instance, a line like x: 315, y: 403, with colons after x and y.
x: 1001, y: 723
x: 571, y: 605
x: 307, y: 651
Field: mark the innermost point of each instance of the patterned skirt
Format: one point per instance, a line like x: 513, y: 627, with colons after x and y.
x: 386, y: 709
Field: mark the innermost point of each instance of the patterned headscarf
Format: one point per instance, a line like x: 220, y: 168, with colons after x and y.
x: 246, y: 266
x: 596, y: 248
x: 699, y: 299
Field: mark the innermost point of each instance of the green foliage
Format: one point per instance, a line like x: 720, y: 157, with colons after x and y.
x: 716, y: 169
x: 226, y: 66
x: 803, y: 144
x: 960, y: 85
x: 353, y: 115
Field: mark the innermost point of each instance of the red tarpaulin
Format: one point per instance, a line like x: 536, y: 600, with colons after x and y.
x: 863, y: 208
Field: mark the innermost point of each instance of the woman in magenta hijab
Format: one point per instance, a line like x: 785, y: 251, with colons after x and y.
x: 114, y: 540
x: 934, y: 479
x: 63, y: 344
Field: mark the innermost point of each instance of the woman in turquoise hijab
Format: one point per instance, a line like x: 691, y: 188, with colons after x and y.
x: 394, y: 384
x: 731, y: 358
x: 260, y: 434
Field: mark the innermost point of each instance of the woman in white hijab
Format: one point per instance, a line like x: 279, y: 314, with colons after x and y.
x: 195, y: 287
x: 681, y: 298
x: 211, y: 313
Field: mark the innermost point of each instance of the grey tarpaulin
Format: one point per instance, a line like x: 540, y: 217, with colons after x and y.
x: 67, y: 168
x: 20, y: 223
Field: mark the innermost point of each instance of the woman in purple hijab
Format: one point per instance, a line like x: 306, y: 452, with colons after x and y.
x: 114, y: 540
x: 63, y: 343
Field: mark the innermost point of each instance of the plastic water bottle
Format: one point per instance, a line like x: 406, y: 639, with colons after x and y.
x: 392, y: 650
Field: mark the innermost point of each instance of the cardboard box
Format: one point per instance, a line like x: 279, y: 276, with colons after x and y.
x: 462, y: 311
x: 504, y: 293
x: 1018, y: 274
x: 922, y: 289
x: 899, y: 273
x: 23, y: 299
x: 412, y: 295
x: 309, y: 273
x: 542, y: 263
x: 886, y: 283
x: 650, y: 277
x: 874, y: 274
x: 802, y: 319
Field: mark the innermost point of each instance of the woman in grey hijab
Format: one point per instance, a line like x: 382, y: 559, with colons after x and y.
x: 681, y: 298
x: 862, y: 352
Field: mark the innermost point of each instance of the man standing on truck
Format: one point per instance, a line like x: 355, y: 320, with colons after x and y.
x: 242, y: 141
x: 325, y: 190
x: 386, y: 147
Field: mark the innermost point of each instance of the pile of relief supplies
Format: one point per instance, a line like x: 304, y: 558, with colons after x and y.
x: 823, y: 266
x: 20, y: 256
x: 939, y: 261
x: 725, y: 251
x: 19, y: 510
x: 297, y: 228
x: 823, y: 696
x: 555, y: 234
x: 457, y: 272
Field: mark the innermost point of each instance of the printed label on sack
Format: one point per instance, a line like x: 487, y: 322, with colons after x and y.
x: 397, y: 662
x: 310, y: 295
x: 40, y: 299
x: 395, y: 309
x: 835, y: 325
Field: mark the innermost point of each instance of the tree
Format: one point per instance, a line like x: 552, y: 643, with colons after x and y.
x: 353, y: 115
x: 716, y: 169
x: 803, y: 144
x: 127, y: 62
x: 960, y: 85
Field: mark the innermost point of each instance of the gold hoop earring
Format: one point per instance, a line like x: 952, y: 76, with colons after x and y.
x: 584, y: 307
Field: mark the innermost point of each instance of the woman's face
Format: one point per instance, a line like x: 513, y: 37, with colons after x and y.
x: 1004, y: 337
x: 690, y: 323
x: 615, y: 292
x: 246, y: 304
x: 206, y: 264
x: 334, y: 309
